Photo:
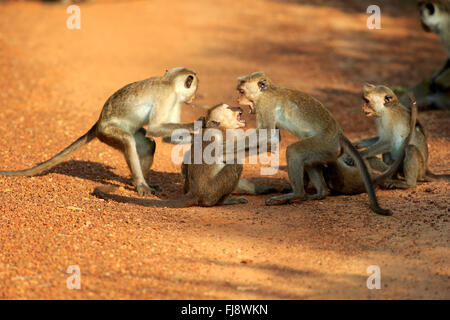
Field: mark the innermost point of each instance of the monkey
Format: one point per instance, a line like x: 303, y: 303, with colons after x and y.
x: 435, y: 17
x: 435, y: 92
x: 343, y: 177
x: 155, y: 102
x: 321, y: 137
x: 205, y: 184
x: 393, y: 125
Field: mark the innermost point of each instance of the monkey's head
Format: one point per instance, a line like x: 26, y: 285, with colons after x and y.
x: 377, y: 99
x: 435, y: 14
x: 225, y: 117
x: 185, y: 82
x: 251, y: 87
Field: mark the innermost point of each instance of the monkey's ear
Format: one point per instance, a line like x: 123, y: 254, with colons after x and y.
x: 262, y: 84
x: 188, y: 81
x: 212, y: 124
x: 367, y: 86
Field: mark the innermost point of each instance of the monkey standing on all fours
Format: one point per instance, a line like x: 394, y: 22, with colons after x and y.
x: 205, y: 184
x: 322, y: 140
x: 393, y: 125
x: 435, y: 92
x: 154, y: 101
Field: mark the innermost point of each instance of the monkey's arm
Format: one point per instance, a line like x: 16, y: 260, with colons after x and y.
x: 243, y: 146
x: 166, y: 129
x: 364, y: 143
x: 378, y: 147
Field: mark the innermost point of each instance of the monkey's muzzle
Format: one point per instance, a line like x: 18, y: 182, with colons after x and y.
x: 368, y: 111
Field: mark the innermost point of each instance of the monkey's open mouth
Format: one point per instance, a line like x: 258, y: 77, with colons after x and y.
x: 367, y: 110
x: 238, y: 118
x: 251, y: 108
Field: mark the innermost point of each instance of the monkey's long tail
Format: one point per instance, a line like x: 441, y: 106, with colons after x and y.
x: 394, y: 167
x: 350, y: 150
x: 57, y: 159
x: 105, y: 192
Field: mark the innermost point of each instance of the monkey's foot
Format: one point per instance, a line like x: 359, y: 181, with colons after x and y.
x: 143, y: 189
x: 265, y: 190
x: 396, y: 184
x: 318, y: 196
x: 231, y: 200
x: 283, y: 199
x: 156, y: 187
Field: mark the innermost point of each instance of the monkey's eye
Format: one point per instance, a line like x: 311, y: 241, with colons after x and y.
x: 387, y: 99
x: 366, y: 100
x: 241, y: 91
x: 430, y: 8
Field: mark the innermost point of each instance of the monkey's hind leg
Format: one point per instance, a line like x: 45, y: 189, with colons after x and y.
x: 146, y: 147
x: 412, y: 165
x: 296, y: 170
x: 316, y: 176
x: 125, y: 142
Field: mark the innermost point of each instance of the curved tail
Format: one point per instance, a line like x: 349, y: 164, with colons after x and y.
x: 104, y: 192
x: 350, y: 150
x: 57, y: 159
x: 394, y: 167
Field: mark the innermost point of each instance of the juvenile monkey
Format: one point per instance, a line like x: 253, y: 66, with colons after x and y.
x: 322, y: 140
x: 154, y: 101
x: 393, y: 125
x: 205, y: 184
x: 343, y: 177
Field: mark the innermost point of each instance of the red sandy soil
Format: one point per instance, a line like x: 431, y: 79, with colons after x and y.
x: 54, y: 82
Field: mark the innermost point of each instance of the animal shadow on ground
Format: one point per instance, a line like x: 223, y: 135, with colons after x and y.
x: 98, y: 172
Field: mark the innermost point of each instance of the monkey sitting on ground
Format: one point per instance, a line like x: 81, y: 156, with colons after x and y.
x: 205, y: 184
x: 343, y: 177
x: 321, y: 137
x: 393, y: 124
x: 154, y: 101
x: 435, y: 92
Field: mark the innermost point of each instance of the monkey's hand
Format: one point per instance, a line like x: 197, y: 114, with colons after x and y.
x: 203, y: 120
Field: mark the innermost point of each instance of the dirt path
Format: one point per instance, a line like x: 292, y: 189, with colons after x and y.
x: 54, y: 82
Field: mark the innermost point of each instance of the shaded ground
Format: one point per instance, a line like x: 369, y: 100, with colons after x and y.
x: 54, y: 82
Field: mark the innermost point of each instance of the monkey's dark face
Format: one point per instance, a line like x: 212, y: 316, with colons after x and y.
x: 248, y: 93
x: 433, y: 18
x: 377, y: 99
x: 251, y: 87
x: 227, y: 117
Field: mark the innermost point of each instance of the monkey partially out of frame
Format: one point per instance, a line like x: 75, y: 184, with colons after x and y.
x: 393, y: 124
x: 205, y: 184
x: 435, y: 92
x: 155, y: 102
x: 321, y: 138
